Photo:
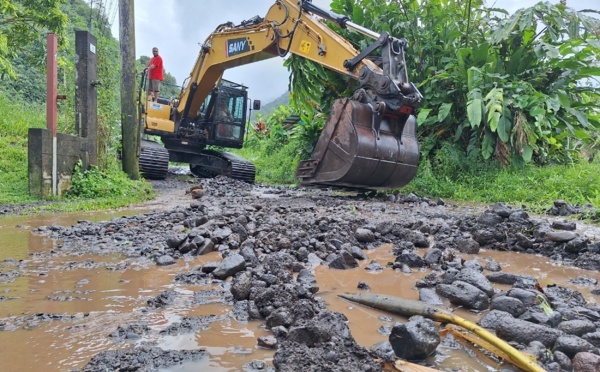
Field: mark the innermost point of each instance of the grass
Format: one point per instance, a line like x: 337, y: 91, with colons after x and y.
x: 536, y: 187
x: 15, y: 122
x: 96, y: 190
x: 274, y: 164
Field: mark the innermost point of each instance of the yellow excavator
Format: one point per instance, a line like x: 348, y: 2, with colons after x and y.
x: 368, y: 142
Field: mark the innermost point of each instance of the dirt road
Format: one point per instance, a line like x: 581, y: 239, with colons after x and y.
x: 268, y: 245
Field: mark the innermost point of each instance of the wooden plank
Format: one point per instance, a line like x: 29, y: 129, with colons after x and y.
x: 404, y: 366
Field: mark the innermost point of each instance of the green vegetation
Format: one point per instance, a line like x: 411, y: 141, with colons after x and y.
x: 450, y: 175
x: 22, y: 103
x: 511, y: 110
x: 512, y: 105
x: 90, y: 190
x: 520, y: 87
x: 14, y: 186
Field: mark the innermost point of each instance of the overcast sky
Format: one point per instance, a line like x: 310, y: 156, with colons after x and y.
x: 177, y: 27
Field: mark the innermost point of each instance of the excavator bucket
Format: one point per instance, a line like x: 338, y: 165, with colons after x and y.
x: 357, y: 150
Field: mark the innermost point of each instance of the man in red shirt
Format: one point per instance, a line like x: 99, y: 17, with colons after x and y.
x: 155, y: 66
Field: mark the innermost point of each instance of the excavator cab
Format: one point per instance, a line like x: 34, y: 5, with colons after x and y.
x: 223, y: 114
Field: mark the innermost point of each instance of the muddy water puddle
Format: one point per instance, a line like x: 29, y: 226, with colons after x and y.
x: 368, y: 325
x: 93, y: 300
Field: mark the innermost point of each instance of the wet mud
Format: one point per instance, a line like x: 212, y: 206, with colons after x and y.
x: 243, y: 277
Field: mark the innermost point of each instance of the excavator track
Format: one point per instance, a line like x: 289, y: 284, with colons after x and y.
x: 216, y: 163
x: 154, y: 160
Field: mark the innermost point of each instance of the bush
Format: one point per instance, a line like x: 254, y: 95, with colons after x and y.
x: 94, y: 184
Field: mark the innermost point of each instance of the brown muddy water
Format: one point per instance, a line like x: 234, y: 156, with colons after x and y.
x: 101, y: 299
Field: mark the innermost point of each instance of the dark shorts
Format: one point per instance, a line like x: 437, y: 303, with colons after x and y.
x: 154, y: 85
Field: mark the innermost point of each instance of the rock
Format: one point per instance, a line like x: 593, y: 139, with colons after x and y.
x: 560, y: 236
x: 429, y: 296
x: 363, y: 286
x: 510, y: 305
x: 559, y: 296
x: 571, y: 345
x: 523, y: 332
x: 504, y: 278
x: 534, y: 315
x: 174, y: 241
x: 374, y: 266
x: 364, y: 235
x: 384, y: 351
x: 527, y: 297
x: 576, y: 245
x: 229, y: 266
x: 207, y: 246
x: 523, y: 241
x: 519, y: 216
x: 433, y: 256
x: 357, y: 253
x: 268, y: 342
x: 240, y: 288
x: 280, y: 317
x: 464, y: 294
x: 343, y: 261
x: 210, y: 266
x: 477, y: 279
x: 593, y: 338
x: 307, y: 280
x: 586, y: 362
x: 249, y: 255
x: 410, y: 259
x: 412, y: 198
x: 165, y: 260
x: 489, y: 218
x: 577, y: 327
x: 563, y: 360
x: 416, y: 339
x: 501, y: 210
x: 492, y: 266
x: 468, y: 246
x: 321, y: 328
x: 564, y: 225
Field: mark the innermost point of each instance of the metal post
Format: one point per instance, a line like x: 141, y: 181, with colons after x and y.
x: 52, y: 101
x: 249, y: 117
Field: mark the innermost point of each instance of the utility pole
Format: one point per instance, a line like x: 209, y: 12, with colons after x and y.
x: 129, y: 122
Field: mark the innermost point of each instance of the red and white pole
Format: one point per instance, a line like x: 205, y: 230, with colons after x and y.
x: 52, y: 101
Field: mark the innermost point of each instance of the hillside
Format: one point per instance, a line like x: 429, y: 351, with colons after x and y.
x: 268, y: 108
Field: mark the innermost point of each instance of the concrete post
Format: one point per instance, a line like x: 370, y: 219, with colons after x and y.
x: 86, y: 95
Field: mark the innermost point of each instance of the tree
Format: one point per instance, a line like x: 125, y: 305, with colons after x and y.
x: 22, y: 26
x: 518, y: 87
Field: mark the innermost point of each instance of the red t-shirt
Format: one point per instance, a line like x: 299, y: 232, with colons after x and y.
x: 157, y: 72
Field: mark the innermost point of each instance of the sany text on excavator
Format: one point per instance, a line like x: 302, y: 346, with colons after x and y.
x: 368, y: 142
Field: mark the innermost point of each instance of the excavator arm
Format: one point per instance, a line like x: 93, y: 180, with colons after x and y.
x: 291, y: 27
